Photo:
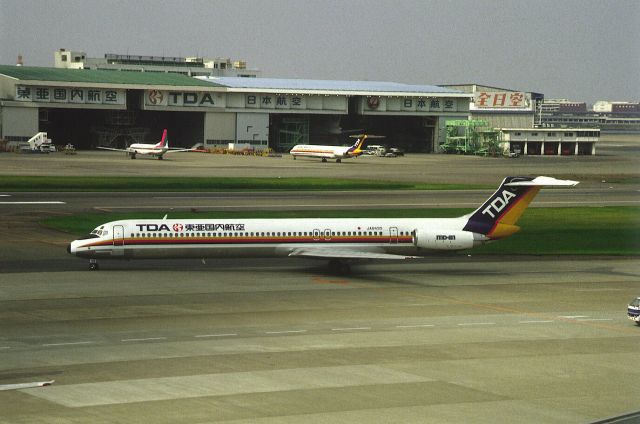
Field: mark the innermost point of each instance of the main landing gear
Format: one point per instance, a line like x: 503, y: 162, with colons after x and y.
x: 339, y: 267
x: 93, y: 265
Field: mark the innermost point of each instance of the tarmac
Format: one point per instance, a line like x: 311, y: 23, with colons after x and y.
x: 615, y: 160
x: 449, y: 339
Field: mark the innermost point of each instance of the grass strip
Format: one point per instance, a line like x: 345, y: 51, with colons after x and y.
x: 210, y: 184
x: 545, y: 231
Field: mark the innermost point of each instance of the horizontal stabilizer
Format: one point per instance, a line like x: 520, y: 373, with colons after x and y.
x: 542, y: 181
x: 345, y: 254
x: 367, y: 136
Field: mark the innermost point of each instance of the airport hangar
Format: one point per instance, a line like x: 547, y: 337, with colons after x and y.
x: 100, y: 107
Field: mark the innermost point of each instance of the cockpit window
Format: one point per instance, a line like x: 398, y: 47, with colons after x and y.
x: 635, y: 302
x: 98, y: 232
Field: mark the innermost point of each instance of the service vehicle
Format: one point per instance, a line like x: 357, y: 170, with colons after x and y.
x: 633, y: 310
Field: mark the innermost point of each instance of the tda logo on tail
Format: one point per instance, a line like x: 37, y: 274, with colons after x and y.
x: 498, y: 204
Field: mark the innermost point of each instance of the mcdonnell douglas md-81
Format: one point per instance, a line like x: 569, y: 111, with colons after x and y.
x: 338, y: 240
x: 332, y: 152
x: 157, y: 150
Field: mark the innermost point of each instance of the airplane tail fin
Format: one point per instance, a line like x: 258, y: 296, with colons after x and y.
x: 356, y: 149
x: 164, y: 142
x: 496, y: 218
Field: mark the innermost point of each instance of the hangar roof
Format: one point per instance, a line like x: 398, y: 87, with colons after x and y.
x: 28, y: 73
x: 328, y: 86
x: 86, y: 77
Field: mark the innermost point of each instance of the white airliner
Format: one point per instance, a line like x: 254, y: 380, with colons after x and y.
x: 332, y: 152
x: 339, y: 240
x: 157, y: 150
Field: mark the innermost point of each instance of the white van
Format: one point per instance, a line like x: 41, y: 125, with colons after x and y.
x: 376, y: 150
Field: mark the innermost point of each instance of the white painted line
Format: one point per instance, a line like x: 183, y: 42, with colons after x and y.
x: 536, y: 322
x: 573, y: 316
x: 351, y: 328
x: 5, y: 347
x: 66, y: 344
x: 215, y: 335
x: 415, y: 326
x: 34, y: 203
x: 285, y: 332
x: 143, y: 340
x: 477, y: 323
x: 596, y: 319
x: 26, y: 385
x: 418, y: 304
x: 5, y: 195
x: 606, y: 289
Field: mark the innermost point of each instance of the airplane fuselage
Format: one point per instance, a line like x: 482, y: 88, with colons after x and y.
x: 336, y: 239
x: 208, y: 238
x: 317, y: 151
x: 146, y: 149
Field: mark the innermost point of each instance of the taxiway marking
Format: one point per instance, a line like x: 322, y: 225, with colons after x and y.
x: 201, y: 336
x: 67, y: 344
x: 415, y: 326
x: 53, y: 202
x: 350, y: 328
x: 143, y: 339
x: 596, y: 319
x: 560, y: 319
x: 476, y: 323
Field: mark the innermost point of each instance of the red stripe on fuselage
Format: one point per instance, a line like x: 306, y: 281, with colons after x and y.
x: 251, y: 240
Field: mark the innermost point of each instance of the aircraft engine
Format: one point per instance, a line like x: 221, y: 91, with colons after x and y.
x: 446, y: 239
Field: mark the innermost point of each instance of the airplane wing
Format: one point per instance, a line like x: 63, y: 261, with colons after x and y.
x: 111, y: 148
x: 320, y: 253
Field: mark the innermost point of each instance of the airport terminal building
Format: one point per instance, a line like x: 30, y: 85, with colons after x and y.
x: 115, y: 108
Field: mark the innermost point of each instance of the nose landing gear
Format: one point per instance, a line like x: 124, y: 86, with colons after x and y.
x: 93, y: 265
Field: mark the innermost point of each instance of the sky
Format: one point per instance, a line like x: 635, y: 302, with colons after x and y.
x: 583, y: 50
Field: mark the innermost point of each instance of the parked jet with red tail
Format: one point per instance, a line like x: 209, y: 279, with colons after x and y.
x: 157, y: 150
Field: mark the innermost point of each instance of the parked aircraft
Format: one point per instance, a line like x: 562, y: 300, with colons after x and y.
x: 339, y: 240
x: 157, y: 150
x: 332, y: 152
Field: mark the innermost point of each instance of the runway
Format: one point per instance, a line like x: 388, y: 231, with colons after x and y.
x: 314, y: 200
x: 497, y: 339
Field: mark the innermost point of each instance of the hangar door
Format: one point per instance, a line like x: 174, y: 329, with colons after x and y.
x: 253, y: 128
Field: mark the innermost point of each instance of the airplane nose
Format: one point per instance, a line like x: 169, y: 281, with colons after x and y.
x: 69, y: 248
